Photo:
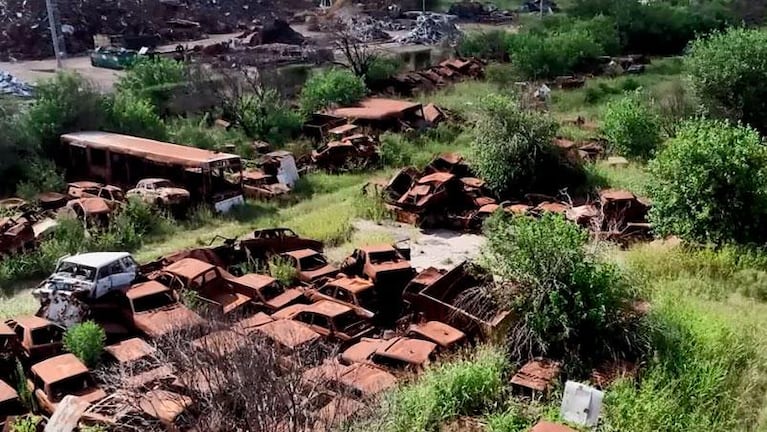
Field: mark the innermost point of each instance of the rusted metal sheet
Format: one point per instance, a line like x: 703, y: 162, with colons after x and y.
x: 155, y: 151
x: 221, y: 343
x: 544, y: 426
x: 288, y: 333
x: 67, y: 415
x: 537, y: 375
x: 59, y: 368
x: 444, y: 335
x: 411, y: 351
x: 366, y: 379
x: 377, y: 109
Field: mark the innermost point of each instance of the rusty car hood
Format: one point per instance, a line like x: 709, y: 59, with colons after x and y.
x: 313, y: 275
x: 158, y: 323
x: 289, y: 297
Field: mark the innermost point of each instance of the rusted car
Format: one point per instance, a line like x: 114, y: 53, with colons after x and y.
x: 90, y: 210
x: 17, y: 235
x: 220, y: 343
x: 266, y: 294
x: 354, y: 292
x: 160, y: 192
x: 380, y: 263
x: 270, y: 241
x: 311, y: 265
x: 360, y: 379
x: 88, y: 189
x: 397, y: 354
x: 330, y: 319
x: 60, y: 376
x: 258, y: 185
x: 10, y: 404
x: 356, y: 151
x: 136, y: 358
x: 444, y: 335
x: 38, y: 337
x: 212, y: 284
x: 9, y: 349
x: 287, y: 336
x: 153, y: 310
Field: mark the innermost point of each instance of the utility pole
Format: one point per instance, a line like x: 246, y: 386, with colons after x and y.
x: 55, y: 25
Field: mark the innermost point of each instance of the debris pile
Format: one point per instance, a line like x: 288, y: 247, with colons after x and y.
x: 479, y: 12
x: 433, y: 28
x: 25, y: 34
x: 548, y: 6
x: 447, y: 72
x: 365, y: 28
x: 618, y: 216
x: 277, y: 31
x: 10, y: 85
x: 352, y: 151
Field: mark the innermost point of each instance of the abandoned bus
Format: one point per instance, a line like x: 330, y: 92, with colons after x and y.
x: 124, y: 160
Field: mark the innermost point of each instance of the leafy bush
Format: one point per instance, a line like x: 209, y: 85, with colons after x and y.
x: 673, y: 103
x: 22, y: 387
x: 281, y: 270
x: 381, y: 69
x: 65, y: 103
x: 148, y: 72
x: 41, y: 175
x: 132, y: 114
x: 511, y: 420
x: 449, y: 390
x: 395, y: 150
x: 27, y: 423
x: 547, y: 55
x: 198, y: 133
x: 569, y: 303
x: 727, y: 73
x: 501, y: 74
x: 631, y: 128
x: 491, y: 45
x: 512, y: 148
x: 709, y: 184
x: 86, y: 341
x: 268, y: 118
x: 331, y: 87
x: 16, y: 147
x: 657, y: 27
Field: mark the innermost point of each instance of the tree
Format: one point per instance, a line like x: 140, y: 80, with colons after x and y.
x: 133, y: 114
x: 331, y: 87
x: 632, y: 128
x: 86, y: 341
x: 568, y: 302
x: 709, y: 184
x: 512, y: 148
x: 727, y: 72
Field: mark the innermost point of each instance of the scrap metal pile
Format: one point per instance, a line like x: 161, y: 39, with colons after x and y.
x: 434, y: 77
x: 378, y: 319
x: 433, y: 28
x: 11, y: 85
x: 446, y: 194
x: 480, y: 12
x: 24, y: 32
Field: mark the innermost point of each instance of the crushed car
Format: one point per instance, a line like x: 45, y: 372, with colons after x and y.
x: 160, y: 192
x: 332, y: 320
x: 311, y: 266
x: 38, y: 338
x: 264, y: 243
x: 153, y: 310
x: 10, y: 403
x: 354, y: 151
x: 258, y: 185
x: 396, y: 354
x: 88, y: 189
x: 17, y: 235
x: 354, y: 292
x: 56, y: 377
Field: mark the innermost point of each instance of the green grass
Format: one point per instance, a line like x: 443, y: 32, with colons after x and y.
x: 633, y: 177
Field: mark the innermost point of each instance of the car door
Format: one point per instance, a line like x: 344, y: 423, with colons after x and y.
x: 124, y: 274
x: 104, y: 280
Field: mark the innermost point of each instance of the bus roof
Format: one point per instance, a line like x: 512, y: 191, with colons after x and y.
x: 155, y: 151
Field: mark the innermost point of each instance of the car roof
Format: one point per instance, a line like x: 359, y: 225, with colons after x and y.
x: 328, y: 308
x: 289, y: 333
x: 153, y: 180
x: 255, y: 280
x: 130, y: 350
x: 221, y: 342
x: 189, y: 267
x: 378, y: 248
x: 32, y: 322
x: 368, y: 379
x: 7, y: 392
x: 301, y: 253
x: 352, y: 284
x: 414, y: 351
x: 96, y: 259
x: 437, y: 331
x: 59, y: 368
x: 145, y: 289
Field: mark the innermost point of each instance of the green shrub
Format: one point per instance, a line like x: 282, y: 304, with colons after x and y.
x: 382, y: 69
x: 268, y: 118
x: 331, y: 87
x: 395, y: 150
x: 490, y: 45
x: 547, y: 55
x: 283, y: 271
x: 570, y: 303
x: 631, y: 128
x: 501, y: 74
x: 673, y: 103
x: 511, y: 420
x: 657, y: 27
x: 41, y: 175
x: 16, y: 147
x: 198, y: 133
x: 709, y: 184
x: 27, y: 423
x: 512, y: 148
x: 65, y: 103
x: 464, y: 387
x: 86, y: 341
x: 148, y: 72
x: 727, y: 73
x: 132, y: 114
x: 752, y: 284
x: 22, y: 388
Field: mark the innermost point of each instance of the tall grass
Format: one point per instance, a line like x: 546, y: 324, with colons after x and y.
x: 468, y: 386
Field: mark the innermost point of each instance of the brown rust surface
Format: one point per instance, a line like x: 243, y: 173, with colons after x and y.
x: 413, y: 351
x: 376, y: 109
x: 7, y: 393
x: 367, y: 379
x: 538, y: 375
x: 164, y: 405
x: 146, y: 289
x: 189, y: 268
x: 442, y: 334
x: 59, y: 368
x: 544, y: 426
x: 130, y: 350
x: 288, y: 333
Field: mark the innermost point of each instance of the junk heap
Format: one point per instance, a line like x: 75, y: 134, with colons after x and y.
x: 25, y: 35
x: 480, y: 12
x: 10, y: 85
x: 433, y: 28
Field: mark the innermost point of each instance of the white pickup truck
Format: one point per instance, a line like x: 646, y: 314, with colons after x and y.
x: 80, y: 279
